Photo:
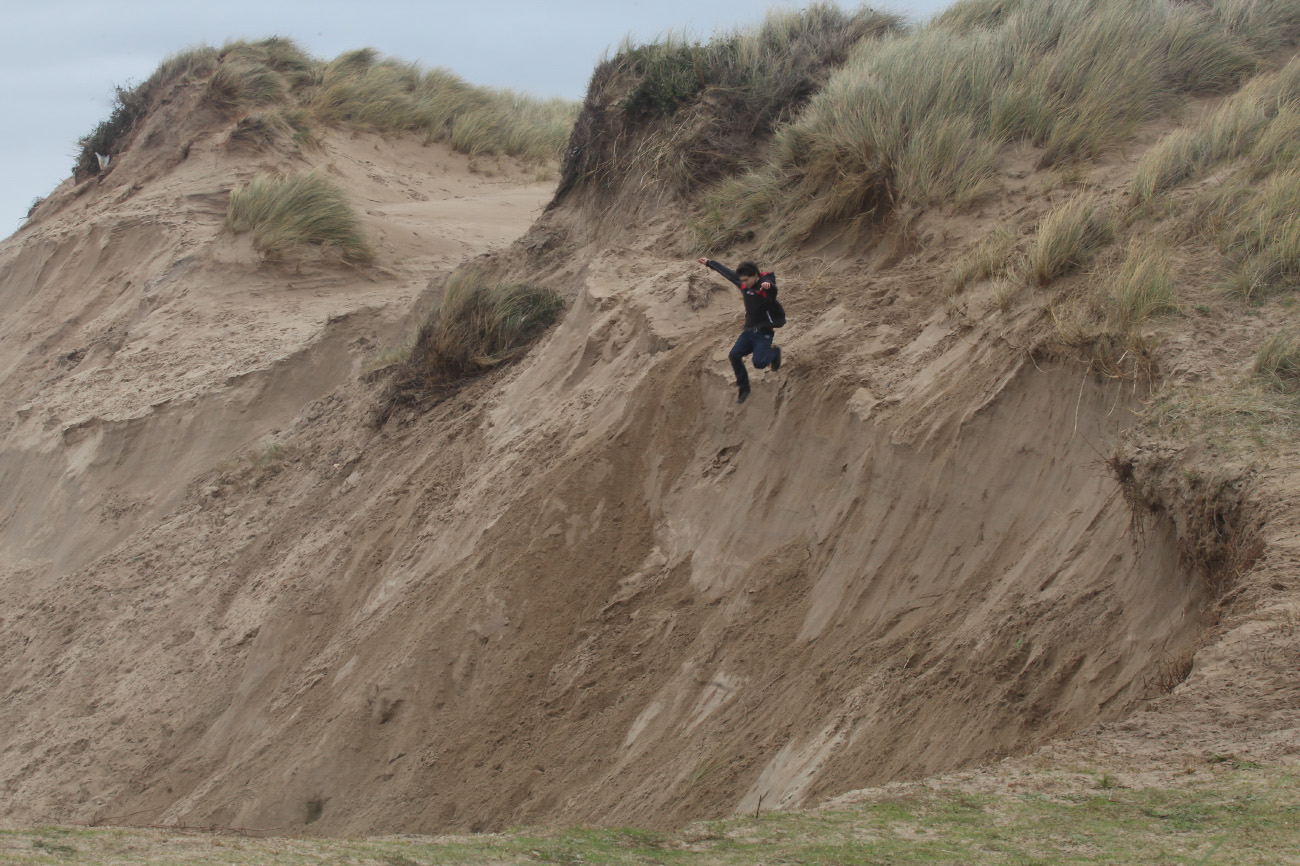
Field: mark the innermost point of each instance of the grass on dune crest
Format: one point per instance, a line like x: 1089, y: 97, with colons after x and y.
x: 286, y: 213
x: 688, y: 112
x: 383, y: 95
x: 918, y: 119
x: 359, y: 89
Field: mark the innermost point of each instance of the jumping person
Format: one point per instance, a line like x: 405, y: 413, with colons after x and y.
x: 762, y: 315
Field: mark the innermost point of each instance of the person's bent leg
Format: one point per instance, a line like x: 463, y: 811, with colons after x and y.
x: 744, y: 345
x: 764, y: 352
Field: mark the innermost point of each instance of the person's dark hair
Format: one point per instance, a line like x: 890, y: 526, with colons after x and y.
x: 747, y: 269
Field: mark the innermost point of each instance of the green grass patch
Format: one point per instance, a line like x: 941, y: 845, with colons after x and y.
x: 1238, y: 816
x: 288, y: 213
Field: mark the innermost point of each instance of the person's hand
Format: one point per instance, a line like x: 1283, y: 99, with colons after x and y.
x: 765, y: 286
x: 703, y: 260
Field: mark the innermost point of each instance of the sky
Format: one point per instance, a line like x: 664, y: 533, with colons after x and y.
x: 60, y: 59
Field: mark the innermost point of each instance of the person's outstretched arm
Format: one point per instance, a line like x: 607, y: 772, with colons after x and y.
x: 722, y: 269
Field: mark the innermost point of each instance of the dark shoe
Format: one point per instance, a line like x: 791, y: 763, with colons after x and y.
x: 776, y: 362
x: 744, y: 392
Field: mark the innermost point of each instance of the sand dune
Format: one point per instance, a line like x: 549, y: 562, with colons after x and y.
x: 590, y: 587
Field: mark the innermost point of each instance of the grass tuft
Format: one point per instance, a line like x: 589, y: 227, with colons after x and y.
x: 481, y: 325
x: 1142, y: 287
x: 1068, y: 237
x: 1277, y: 363
x: 991, y: 257
x: 237, y: 86
x: 286, y: 213
x: 478, y: 326
x: 1260, y: 234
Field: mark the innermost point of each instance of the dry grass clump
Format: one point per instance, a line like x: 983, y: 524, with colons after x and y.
x: 287, y: 213
x: 1250, y: 212
x: 267, y: 128
x: 235, y: 86
x: 481, y: 325
x: 1109, y: 320
x: 478, y: 326
x: 918, y: 119
x: 1166, y: 164
x: 1068, y: 237
x: 990, y: 258
x: 1142, y: 287
x: 1277, y: 363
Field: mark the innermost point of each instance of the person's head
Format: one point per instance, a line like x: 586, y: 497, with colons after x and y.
x: 748, y: 273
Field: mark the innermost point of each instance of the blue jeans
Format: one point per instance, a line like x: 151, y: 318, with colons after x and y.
x: 760, y: 345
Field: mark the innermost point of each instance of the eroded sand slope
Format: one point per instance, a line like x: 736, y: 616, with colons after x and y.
x: 589, y: 588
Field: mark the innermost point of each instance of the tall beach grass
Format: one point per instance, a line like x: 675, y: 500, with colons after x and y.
x: 479, y: 325
x: 918, y: 119
x: 287, y: 213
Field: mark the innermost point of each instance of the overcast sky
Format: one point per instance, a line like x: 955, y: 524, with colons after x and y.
x: 59, y: 59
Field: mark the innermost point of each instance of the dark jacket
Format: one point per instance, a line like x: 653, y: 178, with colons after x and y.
x: 758, y: 301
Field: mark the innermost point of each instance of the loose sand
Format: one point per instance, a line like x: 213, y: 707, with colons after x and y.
x: 590, y: 588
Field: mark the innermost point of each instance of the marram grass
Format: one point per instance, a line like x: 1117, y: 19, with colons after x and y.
x: 388, y: 96
x: 1140, y: 288
x: 918, y: 119
x: 990, y: 257
x: 287, y: 213
x: 479, y: 325
x: 1068, y: 237
x: 1278, y: 361
x: 359, y: 89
